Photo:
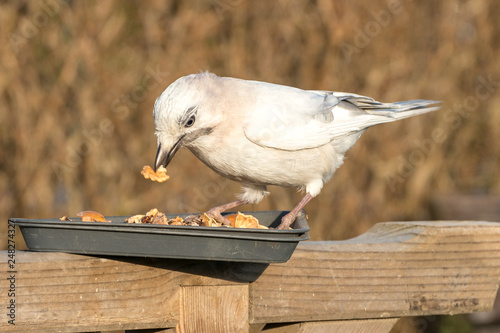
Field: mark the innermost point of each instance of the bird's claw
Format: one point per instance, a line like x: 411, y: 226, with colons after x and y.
x: 286, y: 221
x: 217, y: 216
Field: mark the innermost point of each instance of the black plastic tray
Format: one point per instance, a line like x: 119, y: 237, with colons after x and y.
x: 119, y: 238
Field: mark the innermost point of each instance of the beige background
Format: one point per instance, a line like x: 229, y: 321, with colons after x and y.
x: 78, y: 81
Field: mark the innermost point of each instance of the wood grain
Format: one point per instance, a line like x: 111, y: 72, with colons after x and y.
x: 214, y: 309
x: 394, y: 270
x: 341, y: 326
x: 78, y: 293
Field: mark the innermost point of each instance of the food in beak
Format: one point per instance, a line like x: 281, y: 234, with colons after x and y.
x: 159, y: 176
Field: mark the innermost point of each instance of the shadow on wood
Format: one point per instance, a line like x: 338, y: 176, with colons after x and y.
x: 223, y: 270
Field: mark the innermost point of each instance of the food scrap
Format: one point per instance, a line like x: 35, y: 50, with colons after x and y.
x: 246, y: 221
x: 159, y: 176
x: 237, y: 220
x: 91, y: 216
x: 154, y: 216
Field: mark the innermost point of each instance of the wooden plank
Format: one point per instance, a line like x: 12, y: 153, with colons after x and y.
x: 341, y: 326
x: 395, y: 269
x: 213, y: 309
x: 81, y: 293
x: 149, y: 330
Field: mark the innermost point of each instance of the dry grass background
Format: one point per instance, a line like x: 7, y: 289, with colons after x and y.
x: 78, y: 81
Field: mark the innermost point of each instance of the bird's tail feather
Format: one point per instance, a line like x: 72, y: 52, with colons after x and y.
x: 404, y: 109
x: 397, y: 110
x: 379, y: 113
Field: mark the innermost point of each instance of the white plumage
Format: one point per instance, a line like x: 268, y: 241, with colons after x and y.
x: 261, y: 134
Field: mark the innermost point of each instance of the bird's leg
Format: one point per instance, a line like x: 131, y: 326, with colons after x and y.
x: 215, y: 212
x: 290, y: 217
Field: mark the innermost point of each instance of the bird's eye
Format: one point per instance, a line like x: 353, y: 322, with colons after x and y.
x: 190, y: 121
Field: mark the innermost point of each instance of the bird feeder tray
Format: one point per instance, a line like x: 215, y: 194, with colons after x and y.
x: 118, y: 238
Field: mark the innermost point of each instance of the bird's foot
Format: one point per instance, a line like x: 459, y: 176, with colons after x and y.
x: 287, y: 220
x: 215, y: 214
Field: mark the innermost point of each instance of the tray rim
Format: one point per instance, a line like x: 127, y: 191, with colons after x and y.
x: 195, y: 231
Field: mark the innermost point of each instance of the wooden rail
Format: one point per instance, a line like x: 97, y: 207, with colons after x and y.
x: 394, y: 270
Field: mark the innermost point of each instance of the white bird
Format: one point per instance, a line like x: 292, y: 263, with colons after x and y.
x: 260, y: 134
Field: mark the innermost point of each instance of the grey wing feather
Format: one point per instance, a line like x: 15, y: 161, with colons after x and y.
x: 333, y: 115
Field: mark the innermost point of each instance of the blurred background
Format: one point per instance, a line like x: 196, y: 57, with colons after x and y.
x: 78, y: 81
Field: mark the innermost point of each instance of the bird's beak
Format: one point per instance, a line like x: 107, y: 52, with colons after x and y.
x: 166, y: 152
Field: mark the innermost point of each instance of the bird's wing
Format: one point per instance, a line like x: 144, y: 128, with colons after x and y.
x: 294, y: 119
x: 289, y: 118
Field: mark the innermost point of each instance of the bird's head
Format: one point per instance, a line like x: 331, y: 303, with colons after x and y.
x: 183, y: 113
